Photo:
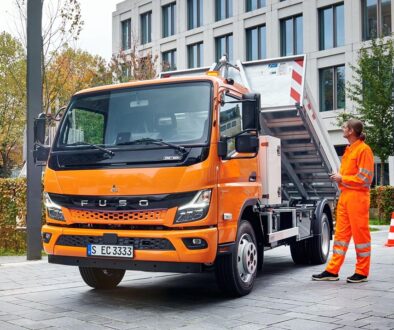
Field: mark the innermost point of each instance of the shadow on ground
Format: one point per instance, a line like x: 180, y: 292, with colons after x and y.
x: 180, y: 290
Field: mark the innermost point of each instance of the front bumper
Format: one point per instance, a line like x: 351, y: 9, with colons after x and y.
x: 173, y: 249
x: 146, y: 266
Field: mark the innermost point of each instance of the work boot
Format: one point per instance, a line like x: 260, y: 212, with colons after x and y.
x: 357, y: 278
x: 325, y: 276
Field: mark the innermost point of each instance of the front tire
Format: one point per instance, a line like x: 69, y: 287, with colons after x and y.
x: 236, y: 273
x: 99, y: 278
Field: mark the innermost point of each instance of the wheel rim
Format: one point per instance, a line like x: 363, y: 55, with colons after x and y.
x: 246, y: 258
x: 325, y: 239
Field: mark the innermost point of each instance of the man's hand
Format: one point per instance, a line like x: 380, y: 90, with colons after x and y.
x: 336, y: 177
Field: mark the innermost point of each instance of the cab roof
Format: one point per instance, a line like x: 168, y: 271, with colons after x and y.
x: 219, y: 81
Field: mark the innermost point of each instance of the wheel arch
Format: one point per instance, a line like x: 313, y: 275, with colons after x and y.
x: 253, y: 218
x: 247, y: 214
x: 323, y: 206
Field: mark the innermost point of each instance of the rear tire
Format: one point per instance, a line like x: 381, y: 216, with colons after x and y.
x: 236, y: 273
x: 314, y: 250
x: 300, y: 252
x: 99, y: 278
x: 319, y: 246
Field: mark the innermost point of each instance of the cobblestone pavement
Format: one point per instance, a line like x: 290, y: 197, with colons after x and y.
x: 37, y: 295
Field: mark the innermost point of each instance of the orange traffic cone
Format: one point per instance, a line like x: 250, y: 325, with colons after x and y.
x: 390, y: 239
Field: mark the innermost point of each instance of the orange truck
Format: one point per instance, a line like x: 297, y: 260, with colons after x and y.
x: 200, y: 170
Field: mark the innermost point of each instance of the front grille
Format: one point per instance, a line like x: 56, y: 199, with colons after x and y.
x: 82, y: 216
x: 137, y: 243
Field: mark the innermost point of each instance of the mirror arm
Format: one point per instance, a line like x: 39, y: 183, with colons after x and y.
x: 248, y: 130
x: 56, y: 117
x: 238, y: 101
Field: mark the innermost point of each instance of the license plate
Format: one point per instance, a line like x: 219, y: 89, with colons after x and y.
x: 118, y: 251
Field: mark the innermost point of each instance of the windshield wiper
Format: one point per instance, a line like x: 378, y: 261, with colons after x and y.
x: 159, y: 142
x: 95, y: 146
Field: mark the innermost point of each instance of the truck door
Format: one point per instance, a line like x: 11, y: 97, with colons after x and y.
x: 238, y: 179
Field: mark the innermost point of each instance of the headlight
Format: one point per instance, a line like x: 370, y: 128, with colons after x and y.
x: 54, y: 211
x: 196, y: 209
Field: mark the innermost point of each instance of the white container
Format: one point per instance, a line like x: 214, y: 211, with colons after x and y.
x: 270, y: 169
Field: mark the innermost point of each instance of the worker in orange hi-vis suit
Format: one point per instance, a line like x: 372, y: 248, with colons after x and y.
x: 354, y: 180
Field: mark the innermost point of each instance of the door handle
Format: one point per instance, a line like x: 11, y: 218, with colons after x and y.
x: 252, y: 177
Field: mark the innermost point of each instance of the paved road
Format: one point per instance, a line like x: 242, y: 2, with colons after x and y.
x: 36, y: 295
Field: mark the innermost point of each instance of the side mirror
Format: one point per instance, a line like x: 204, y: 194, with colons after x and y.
x: 41, y: 151
x: 39, y: 129
x: 222, y: 148
x: 251, y: 111
x: 246, y: 143
x: 40, y: 154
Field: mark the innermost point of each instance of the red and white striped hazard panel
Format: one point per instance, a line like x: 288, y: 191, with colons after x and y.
x: 296, y: 80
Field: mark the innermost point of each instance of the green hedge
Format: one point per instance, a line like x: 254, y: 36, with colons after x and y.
x: 382, y: 198
x: 12, y: 215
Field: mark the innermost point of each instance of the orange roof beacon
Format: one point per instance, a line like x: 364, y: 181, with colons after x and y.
x: 191, y: 172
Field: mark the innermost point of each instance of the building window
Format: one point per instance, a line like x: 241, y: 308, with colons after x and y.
x: 377, y: 176
x: 194, y: 55
x: 169, y: 60
x: 256, y: 48
x: 146, y: 27
x: 331, y: 24
x: 254, y: 4
x: 126, y: 34
x: 224, y: 45
x: 332, y: 88
x: 126, y: 73
x: 194, y: 13
x: 291, y: 36
x: 376, y: 18
x: 223, y: 9
x: 169, y: 20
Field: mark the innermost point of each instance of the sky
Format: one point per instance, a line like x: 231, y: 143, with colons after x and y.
x: 96, y: 36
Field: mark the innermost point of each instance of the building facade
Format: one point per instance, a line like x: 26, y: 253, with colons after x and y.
x: 193, y: 33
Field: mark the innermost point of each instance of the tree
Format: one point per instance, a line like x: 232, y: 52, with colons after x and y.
x: 12, y: 99
x: 132, y: 66
x: 62, y: 26
x: 70, y: 71
x: 371, y: 92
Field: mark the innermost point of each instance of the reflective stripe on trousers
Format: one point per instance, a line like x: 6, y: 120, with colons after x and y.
x: 352, y: 220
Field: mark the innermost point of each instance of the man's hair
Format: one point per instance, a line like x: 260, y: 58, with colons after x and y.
x: 357, y: 126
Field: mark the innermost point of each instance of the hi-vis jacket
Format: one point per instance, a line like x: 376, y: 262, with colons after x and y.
x: 357, y: 167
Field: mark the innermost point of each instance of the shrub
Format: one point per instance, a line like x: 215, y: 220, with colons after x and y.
x: 382, y: 198
x: 12, y: 215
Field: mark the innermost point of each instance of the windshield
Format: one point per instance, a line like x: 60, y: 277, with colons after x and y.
x: 176, y: 113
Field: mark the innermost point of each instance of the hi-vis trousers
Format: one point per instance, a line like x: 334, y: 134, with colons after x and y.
x: 352, y: 220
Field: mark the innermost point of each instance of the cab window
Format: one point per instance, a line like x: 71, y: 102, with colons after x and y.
x: 230, y: 120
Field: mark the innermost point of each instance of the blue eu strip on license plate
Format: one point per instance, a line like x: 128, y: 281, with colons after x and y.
x: 118, y: 251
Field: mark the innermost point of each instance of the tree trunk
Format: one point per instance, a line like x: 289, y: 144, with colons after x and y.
x: 382, y: 172
x: 5, y: 170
